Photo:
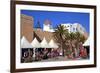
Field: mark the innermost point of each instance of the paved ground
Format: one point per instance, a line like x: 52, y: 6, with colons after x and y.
x: 60, y: 58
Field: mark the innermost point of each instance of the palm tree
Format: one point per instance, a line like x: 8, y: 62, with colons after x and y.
x: 67, y: 36
x: 82, y: 38
x: 72, y: 36
x: 60, y: 36
x: 77, y: 36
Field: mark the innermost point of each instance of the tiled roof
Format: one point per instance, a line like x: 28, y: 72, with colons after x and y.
x: 40, y: 34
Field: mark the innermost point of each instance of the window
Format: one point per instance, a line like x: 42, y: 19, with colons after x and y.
x: 73, y: 29
x: 76, y: 29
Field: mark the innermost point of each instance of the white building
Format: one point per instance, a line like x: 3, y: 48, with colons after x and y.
x: 47, y: 26
x: 76, y: 27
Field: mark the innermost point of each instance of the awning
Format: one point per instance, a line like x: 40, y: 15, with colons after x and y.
x: 44, y: 43
x: 87, y: 42
x: 52, y: 44
x: 35, y: 43
x: 25, y: 43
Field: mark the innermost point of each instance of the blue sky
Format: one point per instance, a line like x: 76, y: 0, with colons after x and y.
x: 57, y: 18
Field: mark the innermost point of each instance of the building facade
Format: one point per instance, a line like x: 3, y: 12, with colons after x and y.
x: 27, y: 27
x: 47, y: 26
x: 76, y: 27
